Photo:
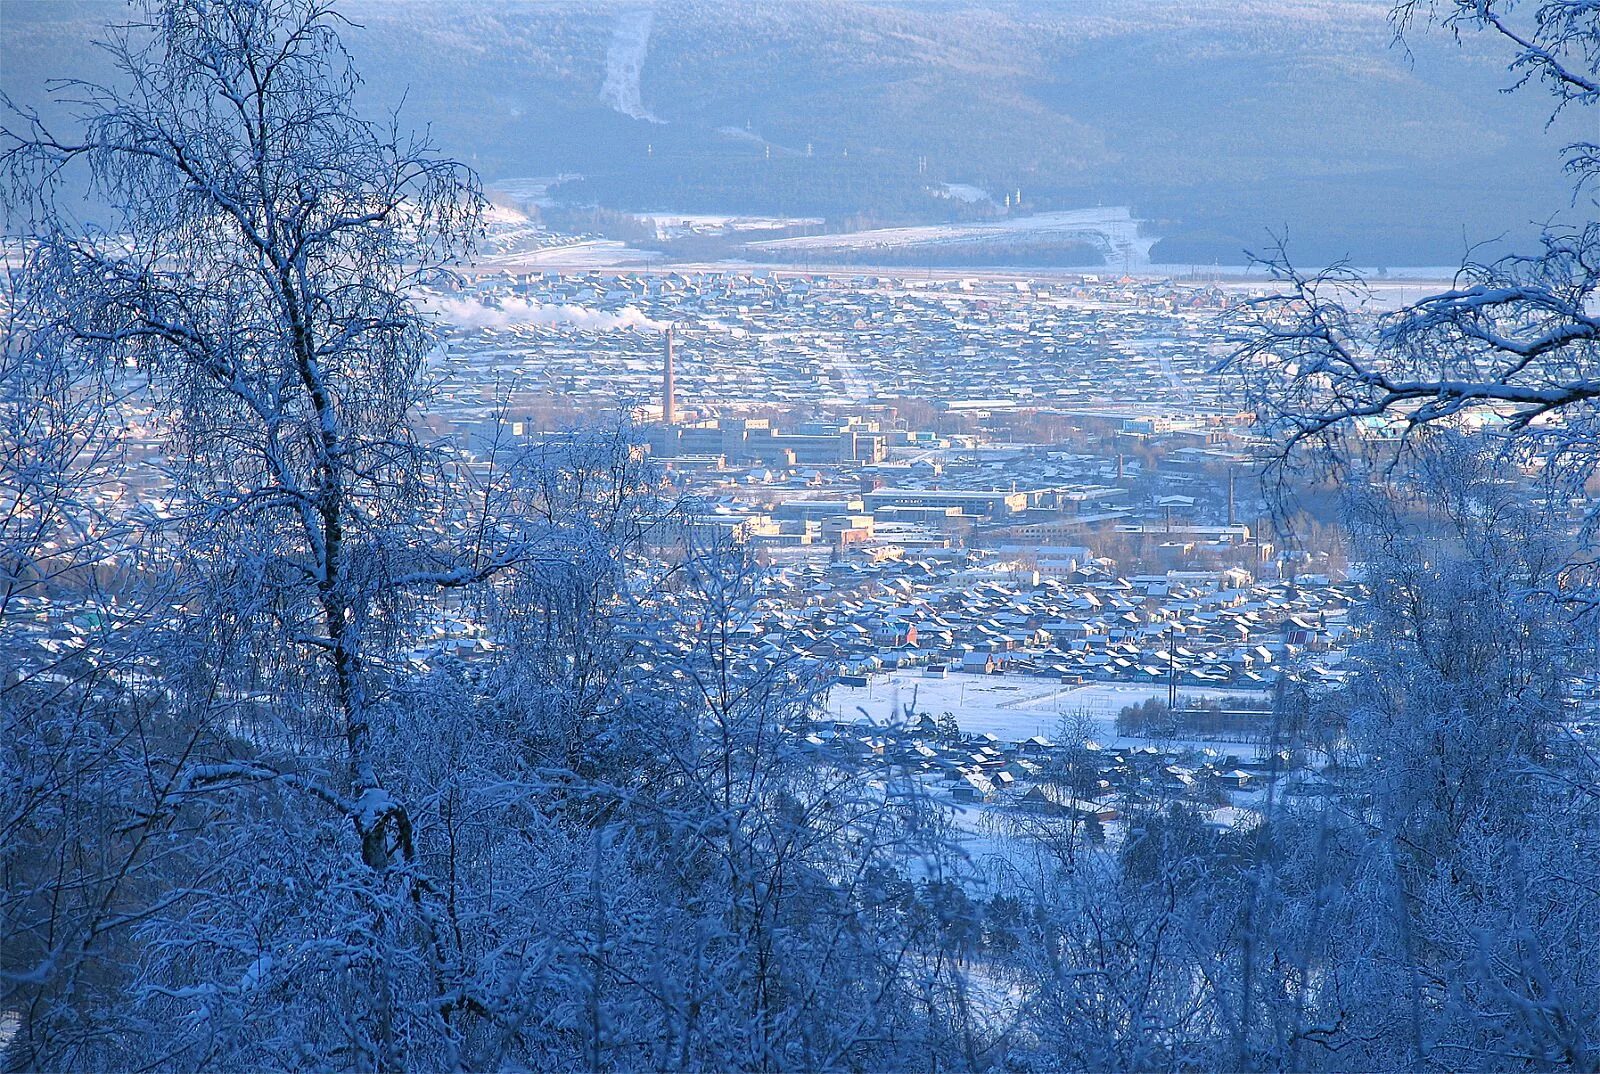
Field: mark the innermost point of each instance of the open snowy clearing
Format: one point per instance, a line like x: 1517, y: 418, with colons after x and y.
x: 965, y: 192
x: 1113, y: 229
x: 673, y: 222
x: 625, y: 56
x: 532, y: 189
x: 1010, y: 707
x: 590, y: 254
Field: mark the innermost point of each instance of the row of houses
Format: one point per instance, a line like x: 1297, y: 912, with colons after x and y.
x: 961, y: 614
x: 760, y: 339
x: 1083, y: 781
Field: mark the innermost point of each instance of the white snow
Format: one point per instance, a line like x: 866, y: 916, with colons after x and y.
x: 592, y: 253
x: 966, y: 192
x: 1113, y: 230
x: 670, y: 223
x: 503, y: 215
x: 630, y: 42
x: 475, y: 313
x: 1010, y: 707
x: 534, y: 190
x: 742, y: 134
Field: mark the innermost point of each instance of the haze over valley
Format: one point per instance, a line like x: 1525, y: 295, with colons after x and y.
x: 1214, y: 122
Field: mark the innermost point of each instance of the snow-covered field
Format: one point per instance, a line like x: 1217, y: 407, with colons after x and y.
x: 471, y: 313
x: 586, y: 254
x: 534, y: 189
x: 669, y: 223
x: 1010, y: 707
x: 509, y: 231
x: 965, y: 192
x: 1113, y: 229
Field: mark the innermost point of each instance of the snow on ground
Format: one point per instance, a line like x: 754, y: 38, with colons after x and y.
x: 1015, y: 707
x: 587, y: 254
x: 534, y: 190
x: 503, y: 216
x: 742, y: 134
x: 1010, y: 707
x: 630, y: 42
x: 966, y: 192
x: 509, y: 231
x: 1113, y: 229
x: 669, y: 223
x: 474, y: 313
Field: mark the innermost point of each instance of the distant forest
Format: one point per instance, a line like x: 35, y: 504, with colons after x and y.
x: 1215, y: 121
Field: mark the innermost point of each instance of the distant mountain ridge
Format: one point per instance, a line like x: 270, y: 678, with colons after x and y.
x: 1214, y: 120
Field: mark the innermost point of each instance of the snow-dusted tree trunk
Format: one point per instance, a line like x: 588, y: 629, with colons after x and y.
x: 258, y: 268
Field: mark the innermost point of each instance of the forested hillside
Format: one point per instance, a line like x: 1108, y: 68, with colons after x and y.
x: 1214, y: 121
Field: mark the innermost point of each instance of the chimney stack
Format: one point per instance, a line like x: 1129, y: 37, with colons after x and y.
x: 668, y: 403
x: 1230, y: 496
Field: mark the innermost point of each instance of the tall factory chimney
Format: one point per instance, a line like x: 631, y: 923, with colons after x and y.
x: 668, y: 401
x: 1231, y: 515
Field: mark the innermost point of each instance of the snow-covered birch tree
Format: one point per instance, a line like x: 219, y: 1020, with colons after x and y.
x: 257, y: 266
x: 1513, y: 345
x: 1464, y: 426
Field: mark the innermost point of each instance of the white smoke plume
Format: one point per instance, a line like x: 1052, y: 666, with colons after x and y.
x: 472, y: 313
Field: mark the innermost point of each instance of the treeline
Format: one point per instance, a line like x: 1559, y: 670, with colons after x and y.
x: 739, y: 177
